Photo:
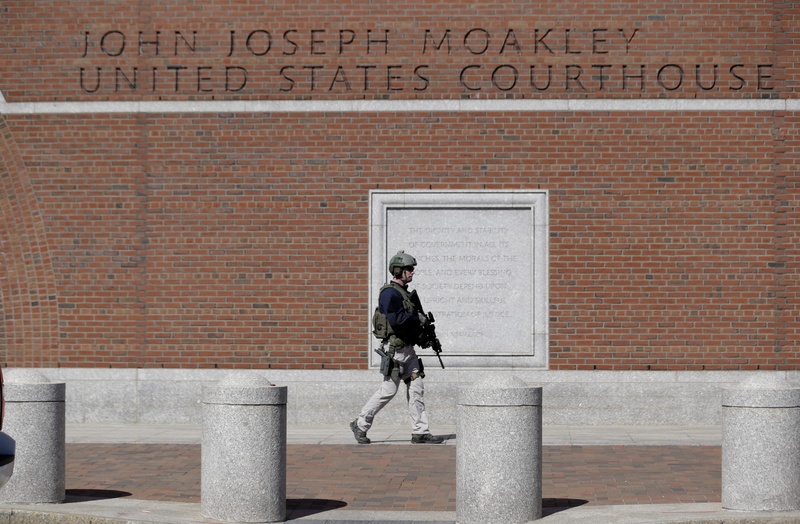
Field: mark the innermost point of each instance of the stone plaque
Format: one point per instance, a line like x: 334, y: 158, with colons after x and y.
x: 482, y: 269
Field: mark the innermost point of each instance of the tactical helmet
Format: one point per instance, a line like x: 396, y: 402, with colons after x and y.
x: 399, y: 261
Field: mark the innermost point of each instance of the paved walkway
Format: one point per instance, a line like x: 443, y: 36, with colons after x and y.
x: 341, y: 434
x: 151, y: 473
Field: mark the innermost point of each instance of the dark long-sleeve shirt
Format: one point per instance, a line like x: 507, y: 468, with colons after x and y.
x: 405, y: 324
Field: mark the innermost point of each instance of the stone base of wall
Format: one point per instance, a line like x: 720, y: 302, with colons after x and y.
x: 648, y: 398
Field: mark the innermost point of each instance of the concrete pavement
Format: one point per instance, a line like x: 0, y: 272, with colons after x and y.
x: 341, y: 434
x: 122, y: 462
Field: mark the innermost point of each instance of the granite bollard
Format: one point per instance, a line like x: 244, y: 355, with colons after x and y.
x: 499, y: 452
x: 35, y: 418
x: 243, y: 450
x: 760, y: 448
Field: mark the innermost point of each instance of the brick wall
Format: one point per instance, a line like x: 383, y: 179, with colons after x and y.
x: 179, y: 50
x: 239, y: 239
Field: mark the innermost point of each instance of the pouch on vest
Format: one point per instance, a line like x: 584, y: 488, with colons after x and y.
x: 380, y: 325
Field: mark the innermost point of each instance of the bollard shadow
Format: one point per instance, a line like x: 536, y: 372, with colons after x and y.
x: 552, y: 506
x: 82, y: 495
x: 299, y: 508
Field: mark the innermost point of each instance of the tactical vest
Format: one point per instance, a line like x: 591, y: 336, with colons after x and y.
x: 380, y: 325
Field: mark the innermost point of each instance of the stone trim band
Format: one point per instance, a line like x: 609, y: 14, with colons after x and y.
x: 395, y: 106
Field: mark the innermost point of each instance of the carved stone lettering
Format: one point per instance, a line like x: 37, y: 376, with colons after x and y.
x: 389, y: 60
x: 481, y: 271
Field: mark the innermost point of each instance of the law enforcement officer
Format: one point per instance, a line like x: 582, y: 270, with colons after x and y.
x: 403, y: 324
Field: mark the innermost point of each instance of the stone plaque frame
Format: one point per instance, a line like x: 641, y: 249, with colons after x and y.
x: 483, y: 271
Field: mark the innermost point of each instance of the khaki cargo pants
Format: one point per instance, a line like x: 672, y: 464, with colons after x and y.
x: 407, y: 358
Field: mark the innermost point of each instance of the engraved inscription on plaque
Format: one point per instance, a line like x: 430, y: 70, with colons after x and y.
x: 474, y: 268
x: 481, y: 270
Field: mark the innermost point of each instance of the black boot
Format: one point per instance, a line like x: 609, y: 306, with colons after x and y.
x: 426, y: 438
x: 361, y: 436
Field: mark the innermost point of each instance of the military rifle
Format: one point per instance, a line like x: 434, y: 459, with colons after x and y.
x: 428, y: 338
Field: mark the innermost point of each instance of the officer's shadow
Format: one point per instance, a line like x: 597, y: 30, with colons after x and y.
x: 449, y: 438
